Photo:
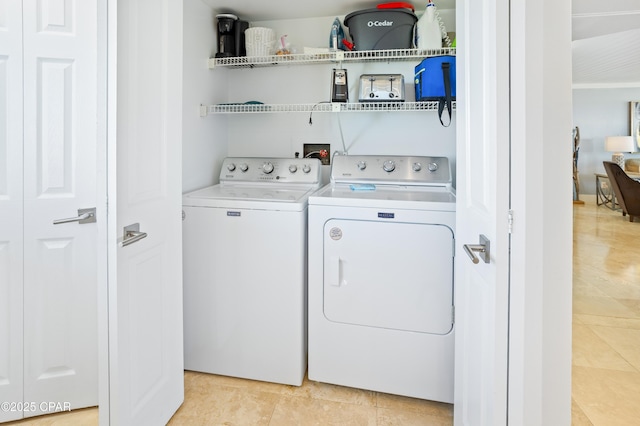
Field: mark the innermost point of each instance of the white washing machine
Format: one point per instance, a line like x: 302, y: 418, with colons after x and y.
x: 245, y: 276
x: 381, y: 251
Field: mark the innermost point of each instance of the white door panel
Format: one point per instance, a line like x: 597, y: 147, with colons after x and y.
x: 11, y: 243
x: 60, y: 322
x: 482, y: 193
x: 141, y: 307
x: 145, y: 278
x: 47, y: 105
x: 60, y: 74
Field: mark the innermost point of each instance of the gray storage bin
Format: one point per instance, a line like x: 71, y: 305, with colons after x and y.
x: 381, y: 29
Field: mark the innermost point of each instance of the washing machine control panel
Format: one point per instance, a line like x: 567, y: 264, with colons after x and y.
x: 276, y: 170
x: 406, y: 170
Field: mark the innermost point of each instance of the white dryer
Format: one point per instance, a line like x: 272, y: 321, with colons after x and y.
x: 245, y: 276
x: 381, y: 251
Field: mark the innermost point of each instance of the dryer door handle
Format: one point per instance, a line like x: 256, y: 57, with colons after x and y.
x: 335, y: 273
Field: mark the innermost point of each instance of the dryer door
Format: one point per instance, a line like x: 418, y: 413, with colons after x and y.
x: 389, y: 275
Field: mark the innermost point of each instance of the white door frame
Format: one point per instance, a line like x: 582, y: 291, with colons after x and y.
x: 106, y: 66
x: 541, y: 201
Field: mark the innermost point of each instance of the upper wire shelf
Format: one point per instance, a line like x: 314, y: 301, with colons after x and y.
x: 323, y: 107
x: 327, y: 57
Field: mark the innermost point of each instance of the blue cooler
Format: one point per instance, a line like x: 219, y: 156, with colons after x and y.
x: 435, y: 80
x: 430, y: 78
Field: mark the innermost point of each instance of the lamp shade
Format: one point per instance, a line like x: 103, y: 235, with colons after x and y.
x: 620, y: 144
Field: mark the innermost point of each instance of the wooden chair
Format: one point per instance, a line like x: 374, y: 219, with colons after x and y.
x: 626, y: 190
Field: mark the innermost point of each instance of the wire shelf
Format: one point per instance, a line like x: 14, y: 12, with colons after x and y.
x: 328, y: 57
x: 323, y: 107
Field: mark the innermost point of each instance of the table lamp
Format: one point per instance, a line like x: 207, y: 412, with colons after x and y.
x: 618, y: 145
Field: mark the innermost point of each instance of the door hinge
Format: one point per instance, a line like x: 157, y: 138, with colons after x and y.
x: 510, y: 221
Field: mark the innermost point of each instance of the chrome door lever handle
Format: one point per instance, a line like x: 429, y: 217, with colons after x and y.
x: 84, y: 216
x: 132, y: 234
x: 470, y: 249
x: 483, y: 250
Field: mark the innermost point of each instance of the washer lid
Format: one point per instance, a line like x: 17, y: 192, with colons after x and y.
x: 387, y: 196
x: 265, y: 197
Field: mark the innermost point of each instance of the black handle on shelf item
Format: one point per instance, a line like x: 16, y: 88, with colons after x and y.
x: 446, y: 66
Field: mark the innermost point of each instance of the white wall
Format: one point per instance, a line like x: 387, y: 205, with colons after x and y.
x: 204, y: 139
x: 599, y: 113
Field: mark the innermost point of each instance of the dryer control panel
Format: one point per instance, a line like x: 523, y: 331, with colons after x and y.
x: 404, y: 170
x: 267, y: 169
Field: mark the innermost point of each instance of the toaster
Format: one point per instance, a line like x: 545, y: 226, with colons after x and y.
x: 381, y: 88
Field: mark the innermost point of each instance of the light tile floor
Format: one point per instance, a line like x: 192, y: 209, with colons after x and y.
x: 606, y: 317
x: 218, y: 400
x: 606, y: 356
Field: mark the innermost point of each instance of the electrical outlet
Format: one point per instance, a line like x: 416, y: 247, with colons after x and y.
x: 318, y: 150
